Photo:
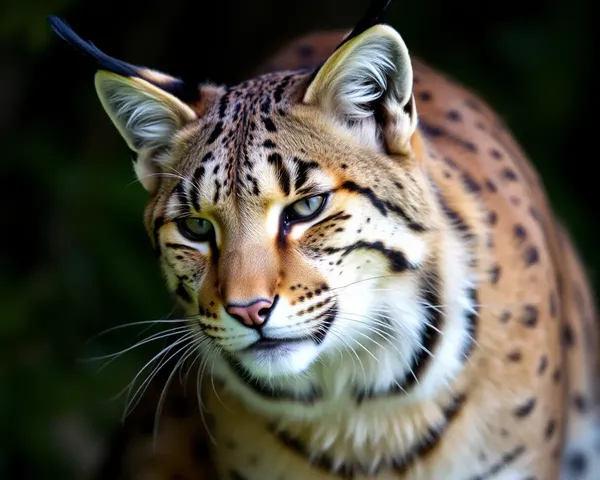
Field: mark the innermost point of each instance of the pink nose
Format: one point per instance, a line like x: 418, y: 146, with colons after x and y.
x: 253, y: 315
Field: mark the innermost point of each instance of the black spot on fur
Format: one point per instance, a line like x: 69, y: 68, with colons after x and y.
x: 505, y: 316
x: 506, y: 459
x: 425, y: 96
x: 269, y: 125
x: 567, y: 335
x: 495, y: 154
x: 509, y: 174
x: 435, y: 131
x: 526, y: 408
x: 491, y: 186
x: 577, y: 463
x: 520, y: 232
x: 216, y: 132
x: 514, y: 356
x: 550, y: 429
x: 470, y: 184
x: 543, y: 365
x: 580, y: 403
x: 556, y: 375
x: 454, y: 116
x: 269, y: 144
x: 531, y: 256
x: 495, y: 274
x: 530, y: 316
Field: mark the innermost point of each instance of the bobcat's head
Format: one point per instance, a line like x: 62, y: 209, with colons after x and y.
x: 292, y: 215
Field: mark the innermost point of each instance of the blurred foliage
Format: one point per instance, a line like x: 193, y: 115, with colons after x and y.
x: 76, y: 258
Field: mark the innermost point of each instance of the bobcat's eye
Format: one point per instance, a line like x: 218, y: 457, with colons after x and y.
x: 195, y: 229
x: 306, y: 208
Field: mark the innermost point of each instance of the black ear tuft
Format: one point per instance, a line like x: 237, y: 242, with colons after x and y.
x: 374, y: 15
x: 186, y: 91
x: 64, y: 31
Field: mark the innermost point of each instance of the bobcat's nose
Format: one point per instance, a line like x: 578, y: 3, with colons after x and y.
x: 254, y: 314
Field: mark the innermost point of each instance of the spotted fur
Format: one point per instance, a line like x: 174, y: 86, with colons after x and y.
x: 442, y: 324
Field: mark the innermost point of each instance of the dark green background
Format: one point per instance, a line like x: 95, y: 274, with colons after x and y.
x: 76, y: 258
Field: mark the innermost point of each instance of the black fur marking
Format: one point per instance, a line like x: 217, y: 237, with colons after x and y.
x: 509, y: 174
x: 267, y: 390
x: 184, y: 90
x: 531, y: 256
x: 428, y: 443
x: 580, y: 403
x: 567, y: 335
x: 280, y: 88
x: 397, y: 259
x: 179, y: 246
x: 269, y: 144
x: 283, y: 175
x: 543, y: 365
x: 472, y: 325
x: 550, y: 429
x: 182, y: 293
x: 436, y: 131
x: 216, y: 132
x: 383, y: 206
x: 302, y: 169
x: 507, y: 459
x: 421, y: 447
x: 525, y: 409
x: 375, y: 15
x: 470, y: 184
x: 530, y: 316
x: 430, y: 336
x: 455, y: 218
x: 577, y: 463
x: 269, y: 125
x: 495, y: 274
x: 217, y: 195
x: 520, y: 232
x: 336, y: 216
x: 326, y: 321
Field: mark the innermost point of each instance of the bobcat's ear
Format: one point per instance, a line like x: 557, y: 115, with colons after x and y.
x: 146, y: 116
x: 146, y: 106
x: 366, y: 86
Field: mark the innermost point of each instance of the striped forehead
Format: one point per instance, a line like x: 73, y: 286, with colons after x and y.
x: 235, y: 155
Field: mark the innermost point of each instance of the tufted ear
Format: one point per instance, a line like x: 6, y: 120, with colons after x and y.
x: 146, y: 106
x: 146, y: 116
x: 366, y: 87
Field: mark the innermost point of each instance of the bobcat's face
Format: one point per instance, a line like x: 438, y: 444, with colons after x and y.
x: 291, y: 214
x: 283, y: 236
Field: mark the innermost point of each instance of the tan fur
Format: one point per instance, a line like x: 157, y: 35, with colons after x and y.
x: 526, y: 389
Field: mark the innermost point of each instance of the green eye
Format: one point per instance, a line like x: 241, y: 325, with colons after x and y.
x: 306, y: 208
x: 195, y: 229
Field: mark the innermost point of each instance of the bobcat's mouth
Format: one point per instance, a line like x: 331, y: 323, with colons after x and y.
x: 269, y: 344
